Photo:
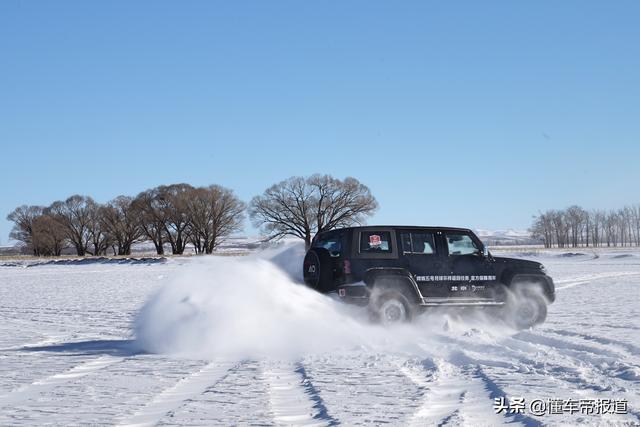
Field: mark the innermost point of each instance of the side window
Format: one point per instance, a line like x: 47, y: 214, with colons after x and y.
x: 405, y: 238
x: 375, y: 242
x: 461, y: 244
x: 331, y: 243
x: 418, y: 243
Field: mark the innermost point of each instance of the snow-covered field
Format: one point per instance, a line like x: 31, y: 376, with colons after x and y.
x: 234, y: 341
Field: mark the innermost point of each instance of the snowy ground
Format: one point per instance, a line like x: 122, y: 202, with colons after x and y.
x: 226, y: 341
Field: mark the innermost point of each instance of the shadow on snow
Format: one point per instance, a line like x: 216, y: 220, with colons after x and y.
x: 121, y: 348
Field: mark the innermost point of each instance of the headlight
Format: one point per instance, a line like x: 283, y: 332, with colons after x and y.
x: 544, y: 270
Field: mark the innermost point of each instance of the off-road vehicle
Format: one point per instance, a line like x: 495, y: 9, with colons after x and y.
x: 399, y: 271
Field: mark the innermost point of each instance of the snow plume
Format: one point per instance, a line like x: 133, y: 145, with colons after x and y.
x: 244, y: 307
x: 253, y: 306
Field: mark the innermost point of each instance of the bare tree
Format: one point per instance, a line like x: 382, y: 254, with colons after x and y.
x: 621, y: 225
x: 575, y: 218
x: 152, y: 218
x: 610, y: 222
x: 75, y: 216
x: 560, y: 227
x: 49, y: 237
x: 302, y: 207
x: 23, y: 218
x: 595, y: 223
x: 214, y: 213
x: 99, y: 238
x: 635, y: 212
x: 173, y: 203
x: 164, y: 216
x: 285, y: 208
x: 120, y: 219
x: 542, y: 229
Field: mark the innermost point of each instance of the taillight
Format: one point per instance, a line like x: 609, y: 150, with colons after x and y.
x: 346, y: 266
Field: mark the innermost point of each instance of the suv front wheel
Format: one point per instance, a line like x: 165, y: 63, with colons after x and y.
x: 526, y: 308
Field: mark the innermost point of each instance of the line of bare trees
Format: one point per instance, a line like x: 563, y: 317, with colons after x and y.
x: 575, y: 226
x: 178, y: 215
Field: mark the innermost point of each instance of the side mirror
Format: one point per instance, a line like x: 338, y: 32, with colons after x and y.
x: 485, y: 252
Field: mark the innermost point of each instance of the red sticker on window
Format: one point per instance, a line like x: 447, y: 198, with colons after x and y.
x: 375, y: 240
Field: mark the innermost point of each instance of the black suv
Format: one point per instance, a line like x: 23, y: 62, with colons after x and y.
x: 397, y: 271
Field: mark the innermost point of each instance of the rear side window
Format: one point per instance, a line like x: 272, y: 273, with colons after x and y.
x: 375, y: 242
x: 461, y: 244
x: 418, y: 243
x: 332, y: 243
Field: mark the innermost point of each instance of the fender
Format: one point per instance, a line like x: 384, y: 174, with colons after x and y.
x: 401, y: 275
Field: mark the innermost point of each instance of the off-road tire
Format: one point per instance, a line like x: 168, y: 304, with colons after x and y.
x: 391, y: 307
x: 525, y: 309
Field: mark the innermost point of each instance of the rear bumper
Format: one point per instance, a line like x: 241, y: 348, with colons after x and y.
x: 356, y: 293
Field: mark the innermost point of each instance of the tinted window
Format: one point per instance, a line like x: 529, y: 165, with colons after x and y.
x: 375, y: 242
x: 417, y: 243
x: 332, y: 243
x: 461, y: 244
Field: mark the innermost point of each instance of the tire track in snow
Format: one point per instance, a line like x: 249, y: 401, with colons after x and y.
x: 633, y: 349
x: 495, y: 392
x: 240, y: 397
x: 45, y: 320
x: 486, y: 370
x: 423, y: 374
x: 605, y: 361
x: 571, y: 376
x: 507, y: 354
x: 293, y: 398
x: 45, y: 385
x: 562, y: 344
x: 598, y: 370
x: 458, y: 392
x: 625, y: 367
x: 584, y: 280
x: 627, y: 327
x: 359, y: 390
x: 180, y: 393
x: 315, y: 395
x: 512, y: 355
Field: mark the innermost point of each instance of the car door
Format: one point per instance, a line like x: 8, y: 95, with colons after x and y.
x: 422, y: 256
x: 470, y: 273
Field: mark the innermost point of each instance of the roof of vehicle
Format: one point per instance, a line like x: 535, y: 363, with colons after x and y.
x: 405, y: 227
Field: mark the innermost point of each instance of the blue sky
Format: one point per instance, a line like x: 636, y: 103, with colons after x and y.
x: 471, y: 113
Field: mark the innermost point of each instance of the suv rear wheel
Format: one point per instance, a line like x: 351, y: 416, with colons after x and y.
x: 391, y: 307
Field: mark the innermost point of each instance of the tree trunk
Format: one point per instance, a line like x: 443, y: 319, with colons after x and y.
x: 307, y: 241
x: 159, y: 246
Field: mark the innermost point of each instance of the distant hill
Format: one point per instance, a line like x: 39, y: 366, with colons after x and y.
x: 506, y: 237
